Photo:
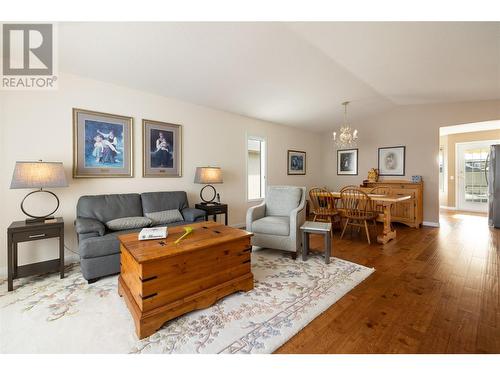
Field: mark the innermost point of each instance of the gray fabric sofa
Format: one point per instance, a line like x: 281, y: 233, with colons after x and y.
x: 99, y: 247
x: 276, y: 222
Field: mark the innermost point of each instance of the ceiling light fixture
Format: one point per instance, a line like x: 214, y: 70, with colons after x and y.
x: 347, y: 137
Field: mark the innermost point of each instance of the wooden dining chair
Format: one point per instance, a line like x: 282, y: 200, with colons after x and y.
x: 349, y: 187
x: 358, y: 210
x: 323, y: 205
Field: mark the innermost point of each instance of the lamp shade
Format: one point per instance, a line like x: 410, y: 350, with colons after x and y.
x: 208, y: 175
x: 38, y: 174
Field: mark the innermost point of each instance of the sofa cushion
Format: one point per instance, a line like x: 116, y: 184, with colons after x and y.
x: 100, y: 246
x: 163, y: 200
x: 276, y: 225
x: 124, y: 223
x: 108, y: 207
x: 281, y: 200
x: 164, y: 217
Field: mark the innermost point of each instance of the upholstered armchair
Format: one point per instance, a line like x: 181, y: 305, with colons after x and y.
x: 275, y: 223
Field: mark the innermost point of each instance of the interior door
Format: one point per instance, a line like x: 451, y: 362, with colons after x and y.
x: 472, y: 187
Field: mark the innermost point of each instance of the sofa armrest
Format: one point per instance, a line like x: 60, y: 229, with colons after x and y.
x: 255, y: 213
x: 85, y: 225
x: 192, y: 214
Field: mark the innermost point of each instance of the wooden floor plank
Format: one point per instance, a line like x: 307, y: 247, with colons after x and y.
x: 435, y: 290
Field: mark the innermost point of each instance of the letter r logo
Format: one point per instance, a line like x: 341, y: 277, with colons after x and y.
x: 27, y: 49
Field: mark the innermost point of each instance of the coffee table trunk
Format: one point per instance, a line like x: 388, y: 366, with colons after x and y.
x: 161, y: 282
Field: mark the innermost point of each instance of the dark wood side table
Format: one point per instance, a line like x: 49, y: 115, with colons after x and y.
x: 20, y: 231
x: 213, y: 209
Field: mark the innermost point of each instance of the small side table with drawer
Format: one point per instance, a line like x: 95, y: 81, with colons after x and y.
x: 20, y: 231
x: 213, y: 209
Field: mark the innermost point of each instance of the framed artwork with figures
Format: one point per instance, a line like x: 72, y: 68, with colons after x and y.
x: 347, y: 162
x: 296, y: 162
x: 162, y: 144
x: 102, y: 144
x: 391, y: 161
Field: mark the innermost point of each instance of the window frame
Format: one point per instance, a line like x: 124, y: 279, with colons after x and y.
x: 263, y: 162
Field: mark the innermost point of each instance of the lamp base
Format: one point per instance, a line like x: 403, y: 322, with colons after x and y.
x: 212, y: 199
x: 38, y: 220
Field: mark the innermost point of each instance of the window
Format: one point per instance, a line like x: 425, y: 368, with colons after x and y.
x: 256, y: 168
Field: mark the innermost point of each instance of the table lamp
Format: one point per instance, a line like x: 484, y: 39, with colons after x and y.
x: 208, y: 176
x: 38, y: 175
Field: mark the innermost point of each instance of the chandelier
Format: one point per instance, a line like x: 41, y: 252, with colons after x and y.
x: 347, y: 137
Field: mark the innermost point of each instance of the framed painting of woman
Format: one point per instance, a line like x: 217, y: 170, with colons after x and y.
x: 162, y: 152
x: 102, y: 144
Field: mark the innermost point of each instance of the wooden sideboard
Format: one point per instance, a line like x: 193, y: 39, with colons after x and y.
x: 409, y: 212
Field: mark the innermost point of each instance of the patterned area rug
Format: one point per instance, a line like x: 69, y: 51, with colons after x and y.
x: 48, y: 315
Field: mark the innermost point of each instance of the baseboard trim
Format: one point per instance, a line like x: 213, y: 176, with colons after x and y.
x: 239, y: 226
x: 430, y: 224
x: 448, y: 208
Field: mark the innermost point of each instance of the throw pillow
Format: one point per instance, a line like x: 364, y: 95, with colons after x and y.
x: 124, y: 223
x: 165, y: 217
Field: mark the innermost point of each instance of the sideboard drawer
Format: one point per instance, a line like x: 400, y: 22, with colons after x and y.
x: 36, y: 235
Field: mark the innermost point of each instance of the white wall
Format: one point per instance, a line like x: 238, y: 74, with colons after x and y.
x: 417, y: 128
x: 38, y: 125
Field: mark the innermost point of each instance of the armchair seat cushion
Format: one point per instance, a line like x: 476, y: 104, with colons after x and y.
x: 276, y: 225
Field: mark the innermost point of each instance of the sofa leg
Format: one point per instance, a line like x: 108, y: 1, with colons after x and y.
x: 294, y: 256
x: 91, y: 281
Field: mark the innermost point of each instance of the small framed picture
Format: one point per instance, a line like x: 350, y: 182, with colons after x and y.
x: 347, y: 162
x: 162, y: 152
x: 296, y: 162
x: 391, y: 161
x: 102, y: 144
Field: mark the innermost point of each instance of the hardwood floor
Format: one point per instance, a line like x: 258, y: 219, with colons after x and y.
x: 435, y: 290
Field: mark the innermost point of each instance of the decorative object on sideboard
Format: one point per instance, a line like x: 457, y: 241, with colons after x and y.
x: 347, y: 137
x: 416, y: 178
x: 296, y: 164
x: 38, y: 175
x: 373, y: 175
x: 347, y: 162
x: 391, y: 161
x: 208, y: 176
x: 162, y: 149
x: 102, y: 144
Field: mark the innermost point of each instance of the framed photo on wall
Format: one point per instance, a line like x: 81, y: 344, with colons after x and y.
x: 102, y: 144
x: 296, y: 162
x: 162, y: 152
x: 391, y: 161
x: 347, y: 162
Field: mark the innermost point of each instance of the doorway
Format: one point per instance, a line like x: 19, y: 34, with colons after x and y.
x: 462, y: 158
x: 472, y: 185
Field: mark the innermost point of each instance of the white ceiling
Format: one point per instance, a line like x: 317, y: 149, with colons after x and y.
x: 291, y: 73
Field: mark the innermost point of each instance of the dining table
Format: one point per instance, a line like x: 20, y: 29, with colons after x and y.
x: 386, y: 201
